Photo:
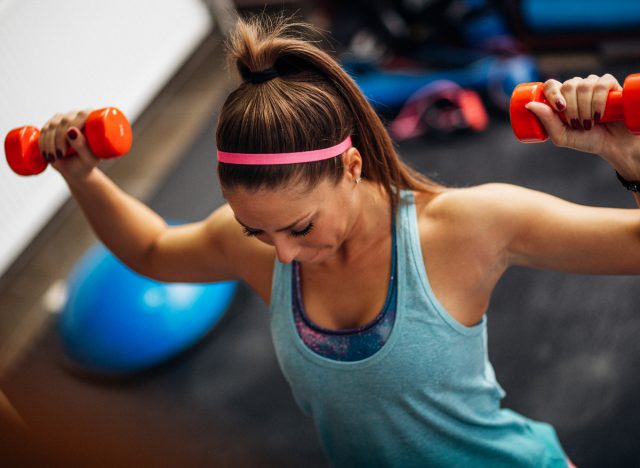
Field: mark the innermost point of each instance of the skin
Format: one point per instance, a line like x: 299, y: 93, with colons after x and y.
x: 469, y: 237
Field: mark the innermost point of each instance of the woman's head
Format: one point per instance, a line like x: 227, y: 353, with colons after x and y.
x: 309, y: 226
x: 311, y: 104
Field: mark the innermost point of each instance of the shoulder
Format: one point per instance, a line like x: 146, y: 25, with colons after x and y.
x: 250, y: 259
x: 464, y: 238
x: 483, y: 218
x: 473, y: 208
x: 514, y: 223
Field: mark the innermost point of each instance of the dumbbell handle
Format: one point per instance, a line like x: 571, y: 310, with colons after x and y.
x: 621, y: 106
x: 107, y: 131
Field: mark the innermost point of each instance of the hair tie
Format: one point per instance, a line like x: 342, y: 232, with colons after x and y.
x: 262, y: 76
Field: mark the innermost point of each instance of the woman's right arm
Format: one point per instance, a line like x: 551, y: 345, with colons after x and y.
x: 214, y: 249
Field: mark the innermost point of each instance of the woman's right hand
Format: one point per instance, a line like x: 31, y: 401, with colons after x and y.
x: 61, y: 132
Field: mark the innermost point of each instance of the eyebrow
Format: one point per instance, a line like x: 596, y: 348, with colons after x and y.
x: 290, y: 226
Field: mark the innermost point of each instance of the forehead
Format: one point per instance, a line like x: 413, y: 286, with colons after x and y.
x: 274, y: 208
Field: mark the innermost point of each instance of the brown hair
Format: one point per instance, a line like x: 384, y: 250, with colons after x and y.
x: 312, y: 103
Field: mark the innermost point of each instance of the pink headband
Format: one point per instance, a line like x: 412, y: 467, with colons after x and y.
x: 260, y: 159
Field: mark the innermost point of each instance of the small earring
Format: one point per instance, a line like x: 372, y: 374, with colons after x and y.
x: 358, y: 180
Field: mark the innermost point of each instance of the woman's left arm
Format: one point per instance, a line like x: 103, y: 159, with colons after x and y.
x: 537, y: 230
x: 583, y: 102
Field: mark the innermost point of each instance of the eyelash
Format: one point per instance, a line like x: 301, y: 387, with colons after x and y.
x: 302, y: 233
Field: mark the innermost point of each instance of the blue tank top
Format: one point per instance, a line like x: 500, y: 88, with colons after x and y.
x: 428, y: 397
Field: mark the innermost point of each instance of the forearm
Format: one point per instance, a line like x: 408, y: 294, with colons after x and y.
x: 124, y: 224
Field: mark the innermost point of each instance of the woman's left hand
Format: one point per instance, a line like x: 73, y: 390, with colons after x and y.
x: 583, y: 102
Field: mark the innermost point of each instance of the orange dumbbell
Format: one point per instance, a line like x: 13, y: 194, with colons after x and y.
x: 622, y: 106
x: 107, y: 131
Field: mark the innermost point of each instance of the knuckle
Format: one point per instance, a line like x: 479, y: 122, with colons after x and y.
x: 584, y: 86
x: 601, y: 86
x: 568, y: 86
x: 551, y: 84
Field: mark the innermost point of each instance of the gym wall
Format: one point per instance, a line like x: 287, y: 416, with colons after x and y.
x: 59, y: 55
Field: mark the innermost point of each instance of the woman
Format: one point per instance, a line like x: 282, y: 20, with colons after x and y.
x: 378, y: 279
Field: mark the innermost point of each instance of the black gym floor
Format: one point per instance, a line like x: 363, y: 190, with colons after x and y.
x: 565, y: 347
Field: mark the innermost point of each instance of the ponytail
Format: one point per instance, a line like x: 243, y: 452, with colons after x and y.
x: 312, y: 103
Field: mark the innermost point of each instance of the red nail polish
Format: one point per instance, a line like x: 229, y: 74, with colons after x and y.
x: 587, y: 124
x: 72, y: 134
x: 575, y: 124
x: 560, y: 105
x: 596, y: 117
x: 59, y: 154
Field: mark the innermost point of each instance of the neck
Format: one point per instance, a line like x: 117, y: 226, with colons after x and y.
x: 370, y: 225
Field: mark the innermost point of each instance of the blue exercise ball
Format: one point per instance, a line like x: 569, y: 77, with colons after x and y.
x: 117, y: 321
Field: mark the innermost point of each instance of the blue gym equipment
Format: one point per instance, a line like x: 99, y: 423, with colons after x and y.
x: 581, y: 15
x: 496, y: 77
x: 118, y: 322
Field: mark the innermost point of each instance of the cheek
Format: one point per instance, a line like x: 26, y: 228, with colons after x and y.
x: 326, y: 237
x: 264, y: 239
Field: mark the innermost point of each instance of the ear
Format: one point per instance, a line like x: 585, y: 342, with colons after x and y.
x: 352, y: 160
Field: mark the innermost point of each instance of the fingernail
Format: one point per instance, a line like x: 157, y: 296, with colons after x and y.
x: 51, y: 157
x: 48, y: 157
x: 560, y: 105
x: 59, y: 154
x: 586, y: 124
x: 72, y: 134
x: 596, y: 117
x: 575, y: 124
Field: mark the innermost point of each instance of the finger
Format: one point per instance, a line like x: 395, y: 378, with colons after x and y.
x: 555, y: 128
x: 71, y: 119
x: 604, y: 84
x: 50, y: 136
x: 78, y: 142
x: 42, y: 145
x: 60, y: 137
x: 569, y: 90
x: 553, y: 95
x: 584, y: 94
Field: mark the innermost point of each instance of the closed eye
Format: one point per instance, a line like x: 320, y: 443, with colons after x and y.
x: 255, y: 232
x: 250, y: 232
x: 304, y: 232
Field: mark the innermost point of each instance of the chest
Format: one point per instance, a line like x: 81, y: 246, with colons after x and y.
x: 461, y: 275
x: 347, y: 297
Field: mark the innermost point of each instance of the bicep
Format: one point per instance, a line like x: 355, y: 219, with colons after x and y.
x: 550, y: 233
x: 214, y: 249
x: 189, y: 253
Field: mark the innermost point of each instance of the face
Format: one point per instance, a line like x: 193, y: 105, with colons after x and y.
x: 308, y: 227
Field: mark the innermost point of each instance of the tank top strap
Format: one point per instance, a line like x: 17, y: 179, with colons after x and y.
x: 414, y: 288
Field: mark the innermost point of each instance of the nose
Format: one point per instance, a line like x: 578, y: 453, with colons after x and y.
x: 286, y: 251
